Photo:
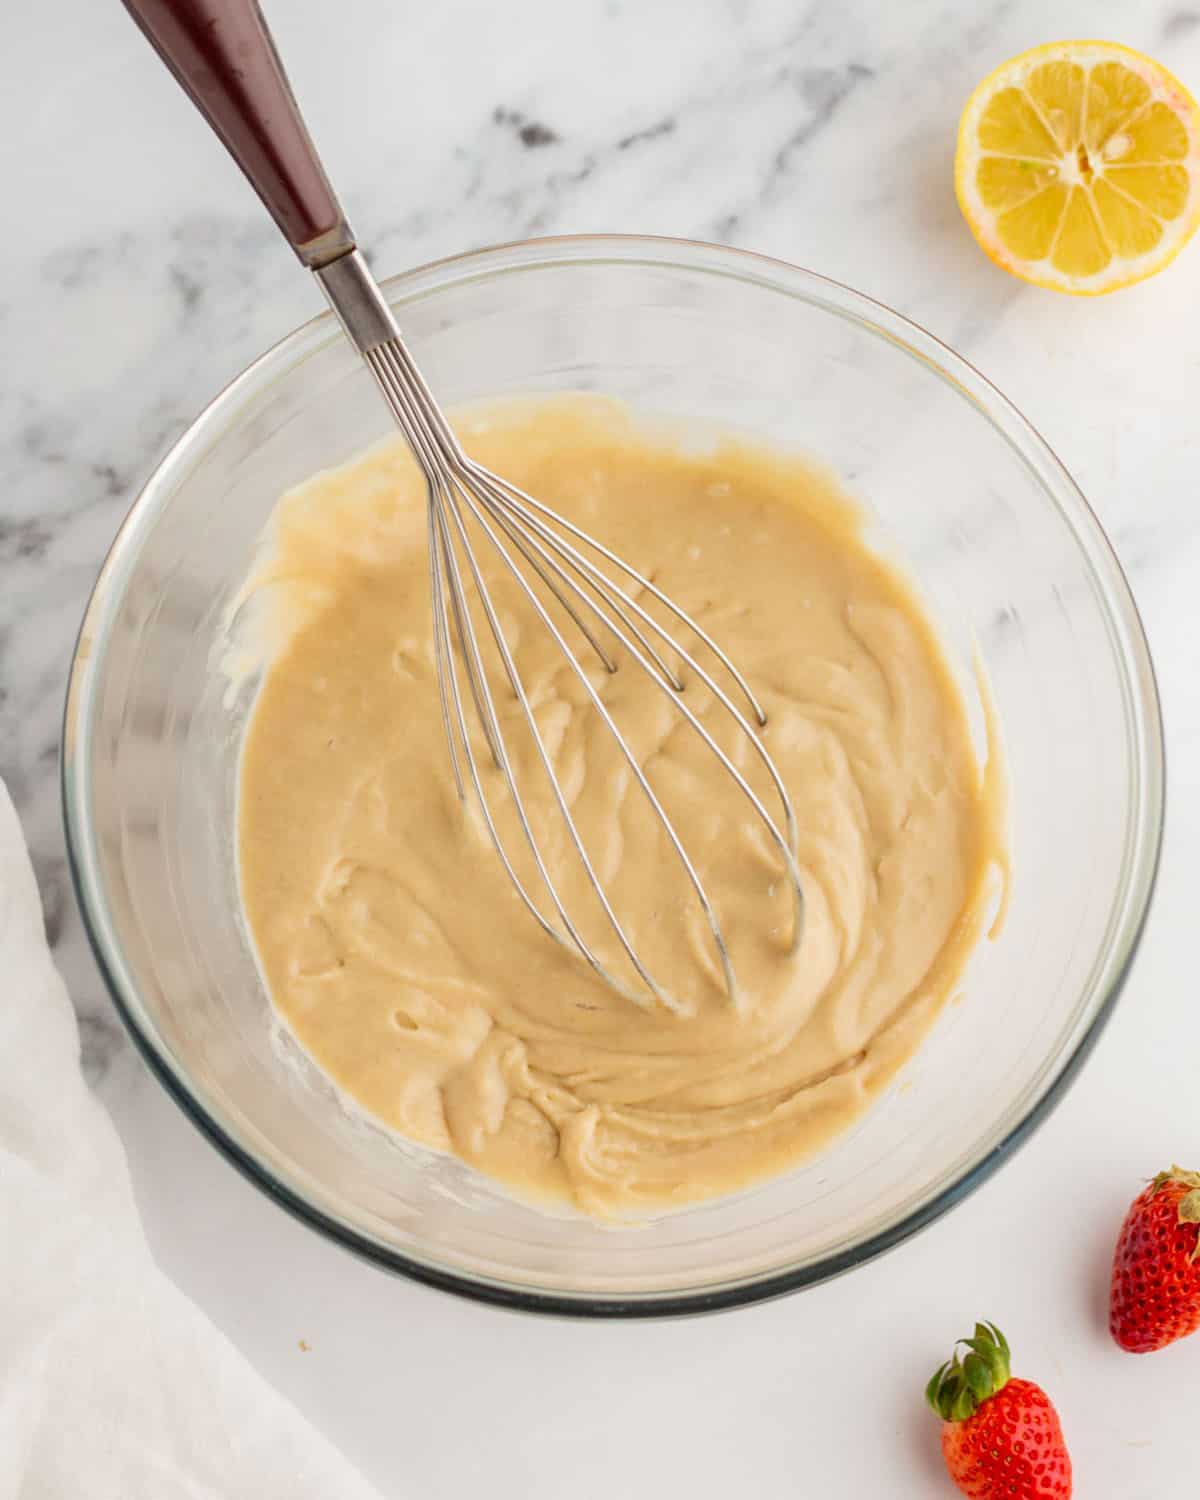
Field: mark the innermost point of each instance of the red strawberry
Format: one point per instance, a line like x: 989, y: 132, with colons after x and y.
x: 1156, y: 1271
x: 1000, y: 1437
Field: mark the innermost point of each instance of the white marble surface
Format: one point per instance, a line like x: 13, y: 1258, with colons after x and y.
x: 139, y: 275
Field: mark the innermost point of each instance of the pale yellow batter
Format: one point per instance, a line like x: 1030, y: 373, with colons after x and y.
x: 390, y: 935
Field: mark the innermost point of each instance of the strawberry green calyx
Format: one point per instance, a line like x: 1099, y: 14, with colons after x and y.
x: 1179, y: 1175
x: 964, y: 1383
x: 1189, y: 1205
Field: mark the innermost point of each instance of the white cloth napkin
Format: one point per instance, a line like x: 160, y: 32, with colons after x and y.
x: 113, y: 1386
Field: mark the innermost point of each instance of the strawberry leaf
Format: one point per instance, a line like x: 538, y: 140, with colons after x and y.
x: 935, y: 1385
x: 978, y: 1373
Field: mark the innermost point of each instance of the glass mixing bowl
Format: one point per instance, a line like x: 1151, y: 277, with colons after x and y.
x: 965, y: 493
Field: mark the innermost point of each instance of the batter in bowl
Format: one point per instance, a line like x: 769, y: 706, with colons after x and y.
x: 390, y: 936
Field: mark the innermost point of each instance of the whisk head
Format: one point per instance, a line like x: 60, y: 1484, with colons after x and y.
x: 567, y: 581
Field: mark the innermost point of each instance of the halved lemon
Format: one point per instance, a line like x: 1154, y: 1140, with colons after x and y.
x: 1078, y: 166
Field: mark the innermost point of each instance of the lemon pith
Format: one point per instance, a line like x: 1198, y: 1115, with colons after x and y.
x: 1078, y: 166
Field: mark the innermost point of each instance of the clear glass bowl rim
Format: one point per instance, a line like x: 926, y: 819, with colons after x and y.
x: 834, y: 298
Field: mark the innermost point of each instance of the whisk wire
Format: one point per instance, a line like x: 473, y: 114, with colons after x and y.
x: 627, y: 753
x: 441, y: 646
x: 474, y: 663
x: 450, y: 686
x: 543, y: 573
x: 477, y: 682
x: 785, y: 842
x: 522, y: 500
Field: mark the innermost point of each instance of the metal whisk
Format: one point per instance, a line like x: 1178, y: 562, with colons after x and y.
x: 222, y: 54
